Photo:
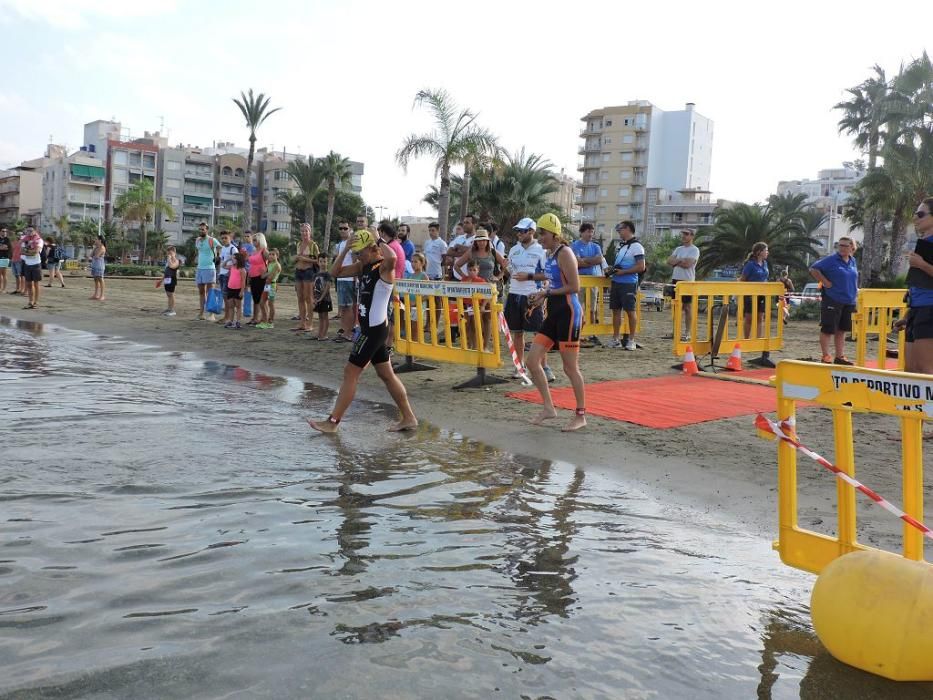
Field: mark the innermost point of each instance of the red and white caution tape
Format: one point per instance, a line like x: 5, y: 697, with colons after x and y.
x: 777, y: 429
x: 508, y: 337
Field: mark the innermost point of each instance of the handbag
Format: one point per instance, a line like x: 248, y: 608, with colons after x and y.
x: 215, y: 301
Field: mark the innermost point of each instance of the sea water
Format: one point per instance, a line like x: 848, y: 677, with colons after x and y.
x: 171, y: 528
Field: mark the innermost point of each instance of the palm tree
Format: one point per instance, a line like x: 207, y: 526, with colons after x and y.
x: 337, y: 173
x: 255, y: 110
x: 84, y: 235
x: 864, y: 117
x: 519, y: 185
x: 140, y: 204
x: 455, y: 136
x: 738, y: 228
x: 309, y: 177
x: 476, y: 157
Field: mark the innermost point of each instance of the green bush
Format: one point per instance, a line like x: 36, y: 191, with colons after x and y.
x: 807, y: 311
x: 115, y: 270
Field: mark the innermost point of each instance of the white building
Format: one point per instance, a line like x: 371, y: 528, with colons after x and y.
x: 630, y: 148
x: 829, y: 192
x: 72, y: 186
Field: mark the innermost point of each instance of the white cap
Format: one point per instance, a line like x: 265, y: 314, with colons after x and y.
x: 525, y: 224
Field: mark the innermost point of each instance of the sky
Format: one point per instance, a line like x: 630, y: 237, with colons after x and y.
x: 345, y: 74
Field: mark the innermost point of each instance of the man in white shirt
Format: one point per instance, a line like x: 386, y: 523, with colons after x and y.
x: 346, y: 288
x: 525, y: 259
x: 434, y: 249
x: 32, y: 245
x: 684, y: 262
x: 462, y: 243
x: 227, y: 251
x: 497, y: 243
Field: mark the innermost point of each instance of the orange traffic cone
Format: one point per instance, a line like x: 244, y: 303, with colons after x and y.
x: 735, y: 359
x: 690, y: 363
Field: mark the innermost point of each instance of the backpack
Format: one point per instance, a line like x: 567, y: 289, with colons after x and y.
x: 59, y: 255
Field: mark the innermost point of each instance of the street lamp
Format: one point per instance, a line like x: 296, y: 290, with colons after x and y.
x: 100, y: 209
x: 381, y: 209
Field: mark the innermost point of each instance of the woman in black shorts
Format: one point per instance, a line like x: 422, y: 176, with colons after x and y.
x: 170, y: 279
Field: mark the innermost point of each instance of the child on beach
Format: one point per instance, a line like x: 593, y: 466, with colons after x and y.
x: 418, y: 263
x: 170, y: 279
x: 236, y: 284
x: 473, y: 277
x: 273, y: 270
x: 321, y: 301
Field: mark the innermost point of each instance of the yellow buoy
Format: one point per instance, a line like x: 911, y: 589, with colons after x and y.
x: 874, y: 610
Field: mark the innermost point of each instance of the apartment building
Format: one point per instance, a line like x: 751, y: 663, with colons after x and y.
x: 20, y: 195
x: 568, y: 196
x: 273, y: 176
x: 669, y: 212
x: 631, y: 148
x: 73, y: 186
x: 829, y: 193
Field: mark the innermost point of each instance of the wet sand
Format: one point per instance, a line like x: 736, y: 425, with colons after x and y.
x: 718, y: 467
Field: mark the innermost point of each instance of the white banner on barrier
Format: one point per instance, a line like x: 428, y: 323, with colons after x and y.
x: 439, y: 288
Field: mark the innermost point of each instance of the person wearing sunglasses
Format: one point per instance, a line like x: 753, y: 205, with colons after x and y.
x: 346, y: 290
x: 838, y: 277
x: 918, y: 351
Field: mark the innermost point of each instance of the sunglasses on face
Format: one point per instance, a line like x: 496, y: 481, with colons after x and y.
x: 343, y: 228
x: 920, y: 213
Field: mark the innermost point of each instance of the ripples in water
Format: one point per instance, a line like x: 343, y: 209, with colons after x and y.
x: 171, y: 529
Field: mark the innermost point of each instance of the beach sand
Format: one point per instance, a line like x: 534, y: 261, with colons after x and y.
x: 719, y: 467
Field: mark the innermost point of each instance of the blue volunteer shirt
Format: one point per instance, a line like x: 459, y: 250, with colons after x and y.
x: 586, y: 250
x: 920, y: 296
x: 753, y: 271
x: 842, y: 275
x: 626, y: 258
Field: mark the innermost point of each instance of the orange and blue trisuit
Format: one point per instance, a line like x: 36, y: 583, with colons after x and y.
x: 564, y: 317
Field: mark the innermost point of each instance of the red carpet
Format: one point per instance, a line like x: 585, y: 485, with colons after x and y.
x: 665, y: 402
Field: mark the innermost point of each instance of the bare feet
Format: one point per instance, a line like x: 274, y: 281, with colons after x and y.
x: 93, y: 298
x: 543, y: 416
x: 575, y: 423
x: 404, y: 424
x: 323, y: 426
x: 101, y: 298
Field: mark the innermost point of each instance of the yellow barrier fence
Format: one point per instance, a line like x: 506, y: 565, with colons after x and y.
x: 876, y: 311
x: 597, y: 316
x: 848, y: 390
x: 718, y: 313
x: 440, y: 307
x: 72, y: 265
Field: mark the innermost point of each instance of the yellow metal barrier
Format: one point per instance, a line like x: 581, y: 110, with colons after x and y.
x: 597, y: 316
x: 72, y: 265
x: 428, y: 332
x: 876, y: 311
x: 848, y: 390
x: 708, y: 302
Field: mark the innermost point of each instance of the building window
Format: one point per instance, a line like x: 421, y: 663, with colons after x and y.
x: 136, y: 158
x: 607, y: 139
x: 628, y: 138
x: 627, y: 122
x: 606, y: 157
x: 172, y: 165
x: 604, y: 193
x: 173, y: 183
x: 623, y: 210
x: 120, y: 177
x: 174, y: 201
x: 604, y: 175
x: 135, y: 177
x: 626, y: 157
x: 227, y: 171
x: 601, y: 228
x: 626, y: 174
x: 601, y: 211
x: 239, y: 172
x: 608, y: 122
x: 119, y: 157
x: 625, y: 191
x: 149, y: 161
x: 280, y: 225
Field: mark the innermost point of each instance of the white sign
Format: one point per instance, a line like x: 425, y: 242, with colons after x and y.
x: 440, y: 288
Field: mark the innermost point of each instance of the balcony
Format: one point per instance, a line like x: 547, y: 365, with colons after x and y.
x: 196, y: 208
x: 199, y: 175
x: 590, y: 131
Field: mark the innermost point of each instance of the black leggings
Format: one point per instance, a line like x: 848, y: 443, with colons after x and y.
x: 256, y: 285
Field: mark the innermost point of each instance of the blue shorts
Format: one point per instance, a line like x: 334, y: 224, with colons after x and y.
x: 305, y: 275
x: 18, y: 268
x: 346, y: 292
x: 206, y: 276
x: 4, y: 263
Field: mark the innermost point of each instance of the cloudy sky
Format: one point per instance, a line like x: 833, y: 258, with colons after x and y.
x: 345, y: 74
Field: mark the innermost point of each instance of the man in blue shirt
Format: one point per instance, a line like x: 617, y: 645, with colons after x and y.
x: 589, y: 263
x: 623, y: 294
x: 838, y: 275
x: 404, y: 231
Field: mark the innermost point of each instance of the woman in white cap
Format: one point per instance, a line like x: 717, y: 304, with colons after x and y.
x: 486, y: 257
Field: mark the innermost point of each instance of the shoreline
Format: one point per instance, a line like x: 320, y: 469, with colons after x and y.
x: 718, y: 467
